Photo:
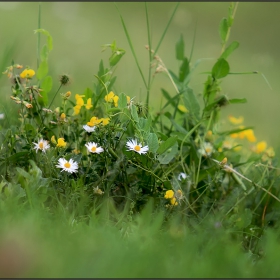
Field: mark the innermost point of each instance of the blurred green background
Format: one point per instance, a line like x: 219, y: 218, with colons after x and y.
x: 79, y: 29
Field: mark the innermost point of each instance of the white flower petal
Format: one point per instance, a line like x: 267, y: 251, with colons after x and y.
x: 88, y: 128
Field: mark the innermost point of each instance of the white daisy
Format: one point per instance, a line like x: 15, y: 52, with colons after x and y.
x: 206, y: 149
x: 69, y: 166
x: 133, y: 146
x: 88, y: 128
x: 93, y: 148
x: 182, y: 176
x: 41, y: 145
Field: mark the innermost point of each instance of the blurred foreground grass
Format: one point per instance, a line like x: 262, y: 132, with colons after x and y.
x: 39, y: 244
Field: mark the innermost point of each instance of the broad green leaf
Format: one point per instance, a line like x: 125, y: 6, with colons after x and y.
x: 122, y: 103
x: 180, y: 48
x: 152, y: 142
x: 42, y: 70
x: 234, y: 45
x: 46, y: 87
x: 223, y: 29
x: 148, y: 124
x: 166, y: 145
x: 16, y: 157
x: 236, y: 100
x: 47, y: 84
x: 168, y: 155
x: 184, y: 70
x: 44, y: 53
x: 134, y: 113
x: 191, y: 103
x: 220, y: 69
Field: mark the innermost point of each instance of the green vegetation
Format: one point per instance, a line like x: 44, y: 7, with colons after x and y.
x: 101, y: 186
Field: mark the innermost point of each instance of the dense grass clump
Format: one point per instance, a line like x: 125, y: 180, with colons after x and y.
x: 96, y: 184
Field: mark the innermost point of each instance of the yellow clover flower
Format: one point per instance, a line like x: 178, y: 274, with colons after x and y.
x: 27, y: 73
x: 169, y: 194
x: 88, y: 105
x: 109, y: 97
x: 234, y: 120
x: 61, y: 143
x: 260, y: 147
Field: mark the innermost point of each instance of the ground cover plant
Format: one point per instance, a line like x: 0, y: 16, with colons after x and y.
x: 101, y: 180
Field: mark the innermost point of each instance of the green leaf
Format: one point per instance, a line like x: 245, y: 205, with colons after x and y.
x: 88, y: 93
x: 191, y: 103
x: 44, y: 53
x: 42, y: 70
x: 152, y: 142
x: 134, y: 113
x: 220, y: 69
x: 184, y: 70
x: 46, y: 87
x: 122, y: 103
x: 171, y: 100
x: 166, y: 145
x: 49, y: 37
x: 168, y: 155
x: 236, y: 100
x: 234, y: 45
x: 180, y: 48
x: 223, y: 29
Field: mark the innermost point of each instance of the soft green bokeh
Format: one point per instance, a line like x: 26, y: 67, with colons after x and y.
x: 80, y: 28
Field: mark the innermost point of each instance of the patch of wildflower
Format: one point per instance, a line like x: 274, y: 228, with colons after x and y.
x: 173, y: 196
x: 132, y: 145
x: 27, y: 74
x: 70, y: 166
x: 92, y: 147
x: 41, y: 145
x: 61, y: 143
x: 112, y: 98
x: 206, y: 149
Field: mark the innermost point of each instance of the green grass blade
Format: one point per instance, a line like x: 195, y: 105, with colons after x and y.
x: 150, y: 54
x: 194, y: 35
x: 166, y: 28
x: 39, y: 36
x: 132, y: 49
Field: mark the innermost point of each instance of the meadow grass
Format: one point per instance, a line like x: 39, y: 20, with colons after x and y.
x: 102, y: 186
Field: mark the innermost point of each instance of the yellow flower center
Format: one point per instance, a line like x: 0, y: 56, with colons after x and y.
x: 93, y: 149
x: 41, y: 145
x: 137, y: 148
x: 67, y: 165
x: 208, y: 150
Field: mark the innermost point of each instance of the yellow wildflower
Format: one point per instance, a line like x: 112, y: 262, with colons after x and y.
x: 173, y: 201
x: 93, y: 121
x: 234, y: 120
x: 260, y: 147
x: 105, y: 121
x: 61, y: 143
x: 234, y: 135
x: 68, y: 94
x: 116, y: 99
x: 169, y: 194
x: 182, y: 108
x: 249, y: 134
x: 88, y: 105
x: 53, y: 140
x: 109, y: 97
x: 77, y: 109
x: 27, y: 73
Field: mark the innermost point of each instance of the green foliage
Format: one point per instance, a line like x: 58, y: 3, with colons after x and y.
x: 101, y: 155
